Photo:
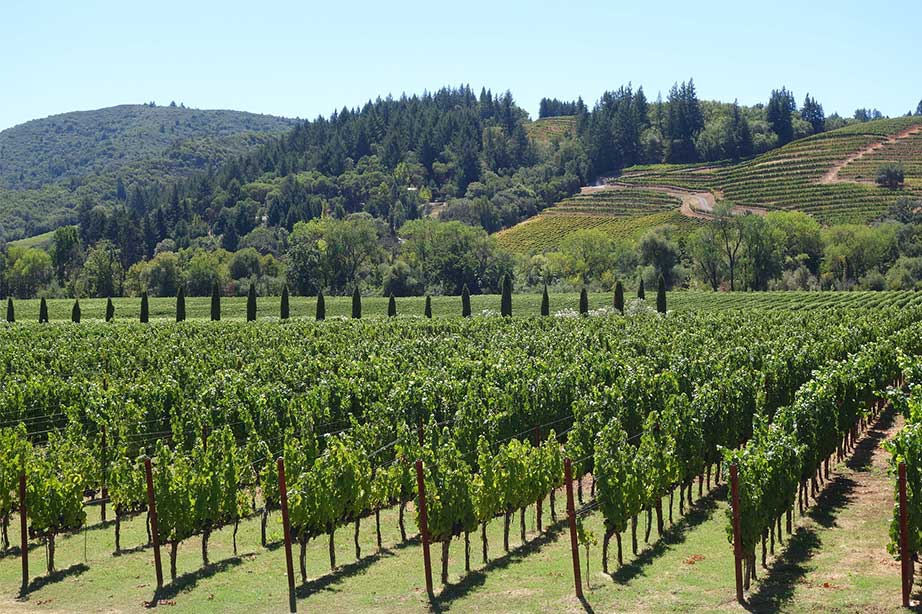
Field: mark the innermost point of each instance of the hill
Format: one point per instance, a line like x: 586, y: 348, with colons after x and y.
x: 48, y: 166
x: 829, y: 175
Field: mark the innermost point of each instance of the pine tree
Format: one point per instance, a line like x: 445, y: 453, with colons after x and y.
x: 583, y: 302
x: 619, y: 297
x: 356, y: 304
x: 545, y: 303
x: 392, y: 306
x: 75, y: 312
x: 661, y: 295
x: 215, y: 303
x: 505, y: 306
x: 251, y: 304
x: 43, y: 311
x: 321, y: 307
x: 284, y: 312
x: 110, y: 309
x: 10, y: 311
x: 640, y: 291
x: 181, y: 304
x: 145, y: 308
x: 428, y: 310
x: 465, y: 302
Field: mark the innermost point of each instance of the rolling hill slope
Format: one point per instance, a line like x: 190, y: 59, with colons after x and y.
x: 829, y: 175
x: 48, y: 166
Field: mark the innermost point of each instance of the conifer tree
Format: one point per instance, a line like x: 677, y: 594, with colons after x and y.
x: 181, y: 304
x: 10, y: 310
x: 43, y: 311
x: 619, y: 297
x: 428, y: 310
x: 505, y: 307
x: 110, y: 309
x: 640, y: 291
x: 215, y: 303
x: 661, y: 295
x: 75, y: 312
x: 145, y: 308
x: 251, y: 304
x: 321, y: 307
x: 392, y: 306
x: 465, y: 302
x: 284, y: 312
x: 545, y: 303
x: 356, y: 304
x: 583, y: 302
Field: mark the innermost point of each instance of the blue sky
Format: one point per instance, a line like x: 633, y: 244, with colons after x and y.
x: 301, y: 58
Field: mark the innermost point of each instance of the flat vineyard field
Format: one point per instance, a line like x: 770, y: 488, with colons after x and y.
x: 643, y: 405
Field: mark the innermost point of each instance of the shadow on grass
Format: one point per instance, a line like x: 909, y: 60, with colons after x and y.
x: 55, y: 576
x: 187, y: 581
x: 346, y: 571
x: 777, y: 587
x: 700, y: 512
x: 15, y: 551
x: 476, y: 577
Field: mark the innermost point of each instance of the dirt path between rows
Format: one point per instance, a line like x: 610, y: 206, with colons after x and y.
x: 833, y: 175
x: 837, y: 560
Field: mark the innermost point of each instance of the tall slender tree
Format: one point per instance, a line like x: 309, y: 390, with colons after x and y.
x: 110, y: 309
x: 583, y: 302
x: 284, y: 312
x: 321, y: 312
x: 43, y: 311
x: 251, y: 304
x: 428, y: 310
x: 545, y: 303
x: 10, y: 310
x: 356, y: 303
x: 181, y: 304
x: 465, y: 302
x: 619, y: 297
x: 145, y: 308
x: 215, y: 303
x: 661, y: 295
x: 641, y: 294
x: 392, y: 306
x: 505, y: 307
x: 75, y: 312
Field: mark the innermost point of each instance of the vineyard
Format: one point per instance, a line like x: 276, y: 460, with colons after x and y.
x: 128, y: 438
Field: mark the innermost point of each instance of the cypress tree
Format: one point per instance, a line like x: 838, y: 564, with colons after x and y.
x: 145, y: 308
x: 640, y: 292
x: 215, y: 303
x: 661, y: 295
x: 283, y: 309
x: 251, y: 304
x: 505, y: 306
x: 181, y: 304
x: 110, y: 309
x: 392, y: 306
x: 75, y: 312
x: 619, y: 297
x: 583, y: 303
x: 321, y: 306
x: 10, y: 311
x: 428, y: 310
x: 356, y: 304
x: 43, y: 312
x: 465, y: 302
x: 545, y: 303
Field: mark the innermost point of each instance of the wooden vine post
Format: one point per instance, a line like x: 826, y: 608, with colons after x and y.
x: 905, y: 557
x: 424, y: 526
x: 154, y: 530
x: 571, y: 518
x: 24, y: 533
x: 737, y: 537
x: 539, y: 505
x: 286, y: 527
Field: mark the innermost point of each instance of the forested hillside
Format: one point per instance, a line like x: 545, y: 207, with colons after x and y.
x: 48, y: 166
